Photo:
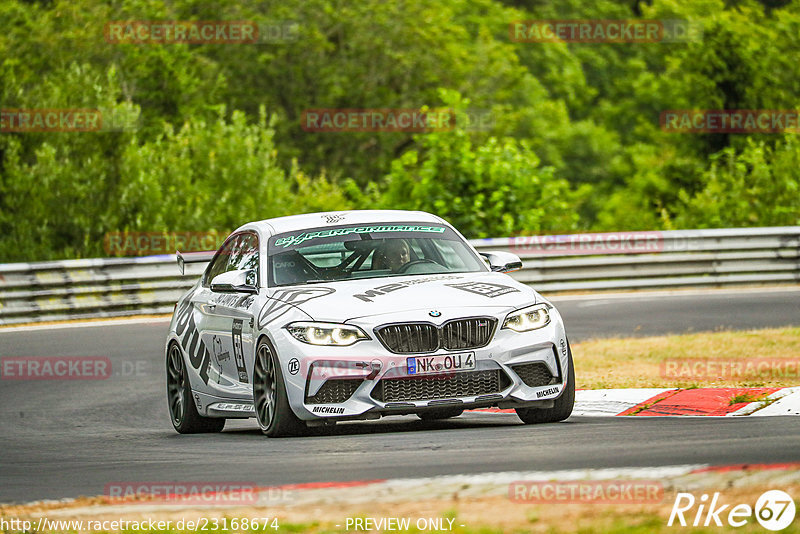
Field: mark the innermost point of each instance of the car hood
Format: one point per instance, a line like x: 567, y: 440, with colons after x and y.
x: 354, y: 299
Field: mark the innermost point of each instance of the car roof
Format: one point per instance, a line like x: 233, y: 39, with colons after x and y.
x: 291, y: 223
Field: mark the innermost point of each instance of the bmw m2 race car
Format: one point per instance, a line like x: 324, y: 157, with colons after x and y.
x: 312, y: 319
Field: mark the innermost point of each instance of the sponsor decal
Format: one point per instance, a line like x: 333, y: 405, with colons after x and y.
x: 189, y: 337
x: 328, y: 409
x: 774, y: 510
x: 369, y: 294
x: 586, y: 491
x: 546, y: 392
x: 294, y: 366
x: 233, y: 301
x: 335, y: 232
x: 220, y: 355
x: 238, y: 350
x: 228, y: 407
x: 218, y: 352
x: 331, y: 219
x: 484, y: 288
x: 282, y: 300
x: 563, y: 344
x: 198, y: 402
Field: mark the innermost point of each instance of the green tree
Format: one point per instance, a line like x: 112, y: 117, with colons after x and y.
x: 760, y: 186
x: 497, y: 188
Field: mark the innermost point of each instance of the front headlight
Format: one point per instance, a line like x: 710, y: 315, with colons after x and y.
x: 340, y: 335
x: 530, y: 318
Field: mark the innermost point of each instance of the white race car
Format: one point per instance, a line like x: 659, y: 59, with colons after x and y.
x: 312, y: 319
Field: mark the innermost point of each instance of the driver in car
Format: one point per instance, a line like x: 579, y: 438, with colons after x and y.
x: 394, y: 254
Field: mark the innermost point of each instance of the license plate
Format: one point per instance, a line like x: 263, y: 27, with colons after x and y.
x: 425, y: 365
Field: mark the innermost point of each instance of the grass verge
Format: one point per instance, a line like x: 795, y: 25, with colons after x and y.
x: 753, y: 358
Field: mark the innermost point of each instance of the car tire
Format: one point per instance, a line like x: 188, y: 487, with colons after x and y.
x: 274, y: 415
x: 440, y: 413
x: 562, y: 407
x: 182, y: 410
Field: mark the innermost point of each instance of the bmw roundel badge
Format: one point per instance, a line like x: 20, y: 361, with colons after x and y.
x: 435, y: 313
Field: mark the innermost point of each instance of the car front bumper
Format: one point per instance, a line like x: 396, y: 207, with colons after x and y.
x: 367, y: 381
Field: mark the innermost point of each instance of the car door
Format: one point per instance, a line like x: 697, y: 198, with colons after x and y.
x: 229, y: 319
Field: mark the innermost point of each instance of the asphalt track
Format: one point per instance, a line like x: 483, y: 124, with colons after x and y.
x: 71, y: 438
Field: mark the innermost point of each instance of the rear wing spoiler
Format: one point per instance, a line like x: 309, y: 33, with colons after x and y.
x: 194, y: 257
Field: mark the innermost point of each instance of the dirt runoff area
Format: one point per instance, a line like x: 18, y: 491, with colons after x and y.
x: 601, y: 500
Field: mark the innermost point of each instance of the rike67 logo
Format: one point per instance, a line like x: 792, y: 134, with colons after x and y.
x: 774, y: 510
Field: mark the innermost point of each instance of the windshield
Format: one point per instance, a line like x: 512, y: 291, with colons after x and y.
x: 367, y: 251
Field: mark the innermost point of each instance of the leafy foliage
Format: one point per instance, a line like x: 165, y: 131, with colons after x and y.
x: 212, y: 136
x: 497, y: 188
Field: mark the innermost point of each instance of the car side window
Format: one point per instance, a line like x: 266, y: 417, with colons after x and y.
x: 240, y: 252
x: 219, y: 264
x: 245, y: 254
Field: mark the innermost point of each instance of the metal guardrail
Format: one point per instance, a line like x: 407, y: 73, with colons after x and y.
x: 92, y: 288
x: 654, y: 260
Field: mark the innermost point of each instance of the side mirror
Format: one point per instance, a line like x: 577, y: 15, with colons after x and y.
x: 502, y: 262
x: 235, y: 282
